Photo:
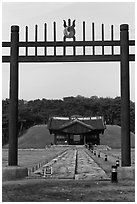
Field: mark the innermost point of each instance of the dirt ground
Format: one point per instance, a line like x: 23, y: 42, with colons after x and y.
x: 49, y: 190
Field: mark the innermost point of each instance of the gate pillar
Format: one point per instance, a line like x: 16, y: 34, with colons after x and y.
x: 13, y: 106
x: 125, y: 97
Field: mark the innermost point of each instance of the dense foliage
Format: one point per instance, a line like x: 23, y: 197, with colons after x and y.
x: 38, y: 111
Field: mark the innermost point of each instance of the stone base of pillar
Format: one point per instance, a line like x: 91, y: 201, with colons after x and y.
x: 126, y: 173
x: 13, y: 173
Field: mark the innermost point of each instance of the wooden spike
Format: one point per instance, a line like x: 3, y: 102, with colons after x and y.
x: 74, y: 48
x: 102, y: 38
x: 54, y: 31
x: 112, y: 32
x: 93, y: 37
x: 112, y: 47
x: 64, y: 47
x: 36, y: 35
x: 92, y: 31
x: 102, y: 32
x: 45, y: 36
x: 83, y: 30
x: 54, y: 37
x: 26, y: 32
x: 83, y: 37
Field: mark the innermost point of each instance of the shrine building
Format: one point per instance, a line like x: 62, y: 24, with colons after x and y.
x: 76, y: 130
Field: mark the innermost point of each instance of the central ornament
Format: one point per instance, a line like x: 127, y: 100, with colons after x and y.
x: 69, y: 31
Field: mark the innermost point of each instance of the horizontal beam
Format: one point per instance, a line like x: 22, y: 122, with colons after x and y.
x: 68, y: 43
x: 77, y: 58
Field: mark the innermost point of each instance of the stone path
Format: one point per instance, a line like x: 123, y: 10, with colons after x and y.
x: 87, y: 168
x: 75, y: 163
x: 64, y: 167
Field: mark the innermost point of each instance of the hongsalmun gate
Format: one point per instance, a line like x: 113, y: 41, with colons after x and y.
x: 74, y: 130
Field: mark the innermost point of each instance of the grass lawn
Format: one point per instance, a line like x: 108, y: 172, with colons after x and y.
x: 117, y: 154
x: 30, y: 157
x: 35, y: 137
x: 112, y: 137
x: 41, y: 190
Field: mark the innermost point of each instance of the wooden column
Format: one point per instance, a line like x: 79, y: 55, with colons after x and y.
x: 13, y: 106
x: 125, y: 97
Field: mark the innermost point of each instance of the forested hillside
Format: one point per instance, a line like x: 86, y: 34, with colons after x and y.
x: 38, y: 111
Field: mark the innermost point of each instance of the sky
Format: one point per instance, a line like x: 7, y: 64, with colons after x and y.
x: 58, y: 80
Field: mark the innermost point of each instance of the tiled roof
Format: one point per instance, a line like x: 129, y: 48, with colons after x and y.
x: 88, y: 123
x: 76, y: 121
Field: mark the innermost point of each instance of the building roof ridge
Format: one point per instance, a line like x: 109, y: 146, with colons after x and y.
x: 76, y: 120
